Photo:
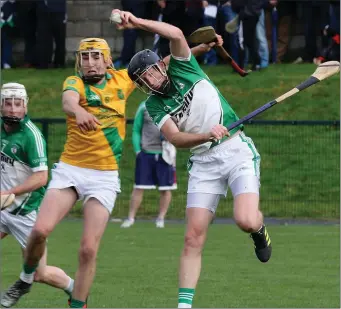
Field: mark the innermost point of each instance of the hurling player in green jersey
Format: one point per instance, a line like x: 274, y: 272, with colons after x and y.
x: 24, y: 172
x: 191, y: 113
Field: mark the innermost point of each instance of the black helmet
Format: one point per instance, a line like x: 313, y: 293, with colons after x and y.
x: 142, y: 62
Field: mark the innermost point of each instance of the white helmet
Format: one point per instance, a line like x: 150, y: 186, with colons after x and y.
x: 14, y: 90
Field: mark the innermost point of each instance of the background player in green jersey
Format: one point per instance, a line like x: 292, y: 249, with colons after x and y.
x: 191, y: 112
x: 154, y: 166
x: 24, y: 172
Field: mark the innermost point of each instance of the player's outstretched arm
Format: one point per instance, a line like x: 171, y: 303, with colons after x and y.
x: 189, y: 140
x: 33, y: 182
x: 71, y: 102
x: 178, y: 43
x: 85, y: 121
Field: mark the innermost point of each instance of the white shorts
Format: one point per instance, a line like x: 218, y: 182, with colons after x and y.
x: 214, y: 170
x: 18, y: 226
x: 101, y: 185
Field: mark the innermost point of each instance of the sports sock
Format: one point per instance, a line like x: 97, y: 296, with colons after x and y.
x: 70, y: 286
x: 27, y: 274
x: 76, y: 303
x: 185, y: 298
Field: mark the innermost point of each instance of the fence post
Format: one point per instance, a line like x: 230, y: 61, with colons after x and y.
x: 45, y: 130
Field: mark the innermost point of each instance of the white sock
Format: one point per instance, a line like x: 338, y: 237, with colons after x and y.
x: 70, y: 286
x: 28, y: 278
x: 260, y: 228
x: 184, y: 305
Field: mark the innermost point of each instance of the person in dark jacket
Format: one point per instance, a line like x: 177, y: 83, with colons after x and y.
x: 51, y: 27
x: 249, y: 12
x: 6, y: 24
x: 138, y: 8
x: 194, y: 14
x: 331, y: 35
x: 27, y: 24
x: 173, y: 12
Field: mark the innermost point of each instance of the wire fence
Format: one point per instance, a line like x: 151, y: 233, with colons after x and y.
x: 300, y: 170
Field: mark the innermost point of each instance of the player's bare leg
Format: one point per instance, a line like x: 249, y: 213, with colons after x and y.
x: 3, y: 235
x: 53, y: 276
x: 246, y: 213
x: 198, y: 220
x: 249, y: 218
x: 55, y: 205
x: 165, y: 199
x: 96, y: 217
x: 135, y: 203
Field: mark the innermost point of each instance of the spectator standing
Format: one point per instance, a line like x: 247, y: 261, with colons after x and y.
x: 6, y: 23
x: 155, y: 166
x: 249, y: 12
x: 27, y: 22
x: 137, y: 7
x: 51, y: 30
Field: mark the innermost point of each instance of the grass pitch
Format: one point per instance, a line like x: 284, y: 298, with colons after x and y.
x: 138, y: 267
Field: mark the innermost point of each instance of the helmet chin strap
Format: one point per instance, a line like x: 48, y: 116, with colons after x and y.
x: 93, y: 79
x: 163, y: 89
x: 166, y: 86
x: 11, y: 120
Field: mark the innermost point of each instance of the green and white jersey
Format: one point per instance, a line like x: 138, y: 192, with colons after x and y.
x: 23, y: 152
x: 146, y: 135
x: 193, y: 103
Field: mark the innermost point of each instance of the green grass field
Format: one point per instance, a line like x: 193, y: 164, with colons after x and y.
x: 300, y: 178
x: 138, y: 267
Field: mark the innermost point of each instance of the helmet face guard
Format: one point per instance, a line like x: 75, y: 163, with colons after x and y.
x: 150, y: 82
x: 92, y: 52
x: 148, y: 72
x: 14, y: 97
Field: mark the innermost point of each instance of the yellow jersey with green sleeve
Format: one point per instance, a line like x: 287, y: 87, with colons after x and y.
x: 100, y: 149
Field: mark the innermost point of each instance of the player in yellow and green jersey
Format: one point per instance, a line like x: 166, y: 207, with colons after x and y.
x: 94, y: 100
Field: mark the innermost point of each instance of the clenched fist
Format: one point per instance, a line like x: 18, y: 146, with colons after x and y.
x: 218, y: 132
x: 86, y: 121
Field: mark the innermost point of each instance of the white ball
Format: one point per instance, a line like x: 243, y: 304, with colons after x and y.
x: 116, y: 18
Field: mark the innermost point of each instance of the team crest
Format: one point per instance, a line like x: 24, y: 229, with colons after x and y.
x: 71, y: 81
x: 14, y: 149
x: 120, y: 94
x: 181, y: 85
x: 94, y: 100
x: 107, y: 100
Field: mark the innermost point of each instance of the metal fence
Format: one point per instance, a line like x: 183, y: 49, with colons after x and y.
x: 300, y: 169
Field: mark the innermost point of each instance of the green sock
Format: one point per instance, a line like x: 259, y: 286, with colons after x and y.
x: 27, y: 274
x: 29, y: 269
x: 185, y: 298
x: 76, y: 303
